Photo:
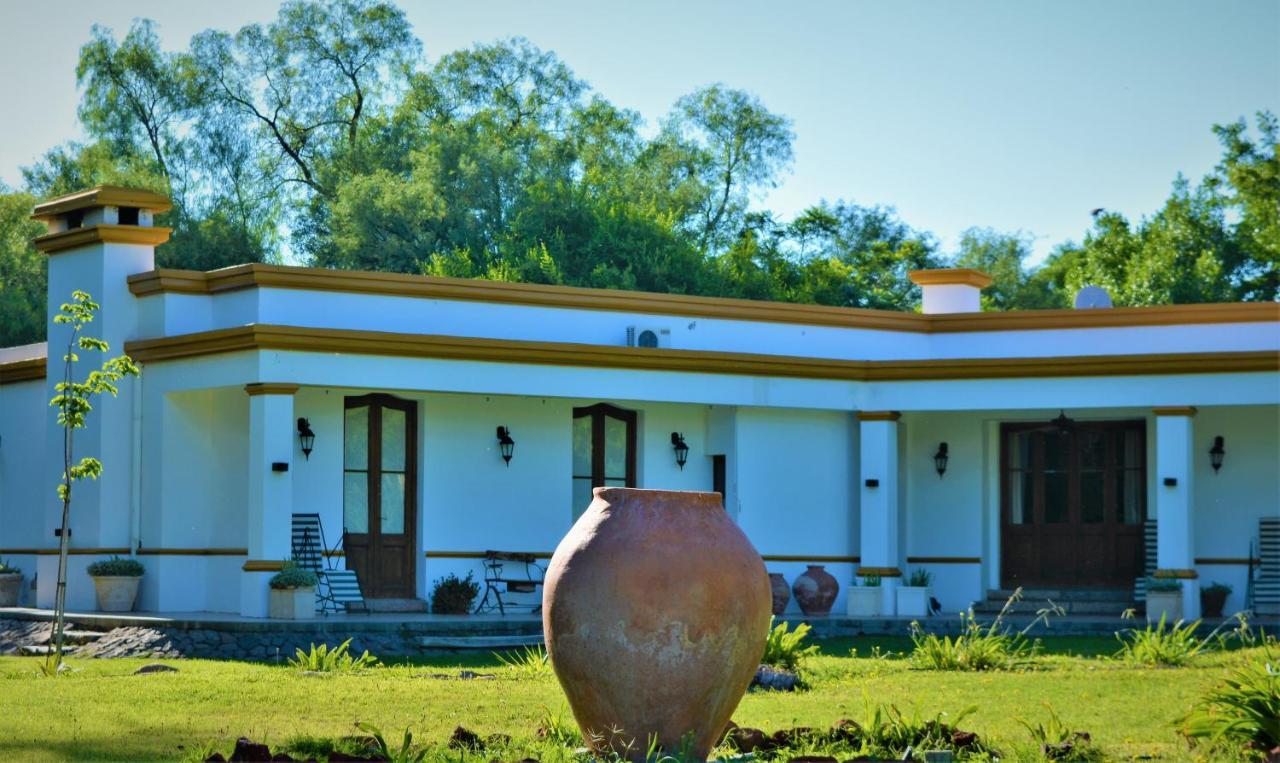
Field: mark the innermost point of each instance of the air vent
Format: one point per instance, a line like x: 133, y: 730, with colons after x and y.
x: 648, y: 336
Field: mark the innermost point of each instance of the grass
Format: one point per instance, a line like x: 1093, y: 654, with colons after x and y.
x: 101, y: 711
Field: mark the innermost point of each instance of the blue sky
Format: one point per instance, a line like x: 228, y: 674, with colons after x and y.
x: 1011, y: 115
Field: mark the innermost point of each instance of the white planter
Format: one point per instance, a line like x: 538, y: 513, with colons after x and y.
x: 292, y: 603
x: 913, y: 601
x: 10, y: 588
x: 864, y: 601
x: 116, y: 593
x: 1166, y: 603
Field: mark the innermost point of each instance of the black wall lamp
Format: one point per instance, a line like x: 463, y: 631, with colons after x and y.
x: 306, y: 437
x: 681, y: 448
x: 1216, y: 453
x: 505, y: 444
x: 940, y: 459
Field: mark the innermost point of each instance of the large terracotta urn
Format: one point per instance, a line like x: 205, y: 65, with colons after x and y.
x: 781, y: 593
x: 655, y: 609
x: 815, y: 590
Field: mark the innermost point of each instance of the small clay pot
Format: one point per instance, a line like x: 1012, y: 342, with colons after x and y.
x: 781, y: 593
x: 815, y: 591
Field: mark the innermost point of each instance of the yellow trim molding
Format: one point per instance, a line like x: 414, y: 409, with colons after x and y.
x: 70, y: 551
x: 103, y: 196
x: 1173, y: 574
x: 479, y: 554
x: 1184, y: 410
x: 810, y: 559
x: 22, y: 370
x: 879, y: 415
x: 52, y: 243
x: 305, y: 339
x: 950, y: 277
x: 1230, y: 560
x: 944, y: 560
x: 270, y: 388
x: 262, y: 565
x: 541, y: 295
x: 881, y: 572
x: 193, y: 551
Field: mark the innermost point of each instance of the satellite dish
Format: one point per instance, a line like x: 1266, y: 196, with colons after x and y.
x: 1092, y: 298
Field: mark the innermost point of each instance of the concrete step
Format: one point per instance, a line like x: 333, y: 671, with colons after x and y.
x: 1032, y: 606
x: 1067, y: 594
x: 80, y: 637
x: 489, y: 643
x: 42, y: 650
x: 396, y: 605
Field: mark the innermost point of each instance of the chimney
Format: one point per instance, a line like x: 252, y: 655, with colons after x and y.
x: 96, y: 240
x: 951, y: 290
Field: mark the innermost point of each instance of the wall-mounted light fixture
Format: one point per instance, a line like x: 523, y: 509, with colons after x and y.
x: 306, y: 437
x: 940, y: 459
x: 505, y: 444
x: 1063, y: 423
x: 681, y: 448
x: 1216, y: 453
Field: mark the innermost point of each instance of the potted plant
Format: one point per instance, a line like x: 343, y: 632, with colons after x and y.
x: 1212, y: 599
x: 864, y: 600
x: 115, y: 581
x: 1164, y: 600
x: 293, y: 593
x: 452, y: 595
x: 10, y: 584
x: 913, y: 595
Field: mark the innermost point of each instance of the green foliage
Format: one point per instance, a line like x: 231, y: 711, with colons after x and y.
x: 452, y: 595
x: 559, y: 728
x: 321, y: 659
x: 1163, y: 585
x: 1057, y: 741
x: 530, y: 662
x: 403, y: 754
x: 7, y: 568
x: 1243, y: 712
x: 23, y: 279
x: 1217, y: 587
x: 787, y: 649
x: 995, y: 647
x: 293, y: 576
x: 868, y: 581
x: 888, y: 733
x: 920, y: 578
x: 1165, y: 645
x: 116, y: 567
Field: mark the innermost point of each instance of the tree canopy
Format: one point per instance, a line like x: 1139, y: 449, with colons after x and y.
x: 326, y: 137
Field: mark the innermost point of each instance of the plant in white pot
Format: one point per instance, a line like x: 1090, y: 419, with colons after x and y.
x: 864, y: 600
x: 293, y: 593
x: 913, y: 594
x: 115, y: 581
x: 1164, y: 600
x: 10, y: 584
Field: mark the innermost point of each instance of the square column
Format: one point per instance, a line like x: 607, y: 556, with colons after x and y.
x: 880, y: 550
x: 270, y: 500
x: 1175, y: 539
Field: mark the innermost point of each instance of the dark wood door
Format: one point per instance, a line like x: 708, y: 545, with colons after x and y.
x: 604, y: 451
x: 1072, y: 504
x: 379, y: 502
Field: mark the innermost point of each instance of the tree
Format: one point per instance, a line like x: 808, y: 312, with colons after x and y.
x: 73, y: 403
x: 1004, y: 257
x: 23, y: 272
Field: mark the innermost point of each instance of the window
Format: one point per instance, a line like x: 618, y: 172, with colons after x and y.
x: 604, y: 451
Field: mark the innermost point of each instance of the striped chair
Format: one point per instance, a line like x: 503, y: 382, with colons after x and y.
x: 1265, y: 583
x: 1149, y: 561
x: 339, y: 589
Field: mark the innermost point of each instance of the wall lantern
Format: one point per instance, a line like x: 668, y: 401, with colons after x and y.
x: 1216, y: 453
x: 306, y: 437
x: 681, y: 448
x: 940, y: 459
x: 1063, y: 423
x: 506, y: 444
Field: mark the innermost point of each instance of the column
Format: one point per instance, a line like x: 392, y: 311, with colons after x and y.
x: 270, y: 500
x: 878, y: 450
x: 1175, y: 531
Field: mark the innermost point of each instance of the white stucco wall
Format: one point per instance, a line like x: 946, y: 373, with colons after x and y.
x: 26, y: 498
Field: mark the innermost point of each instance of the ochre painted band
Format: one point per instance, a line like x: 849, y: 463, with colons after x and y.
x: 879, y: 415
x: 944, y: 560
x: 950, y: 277
x: 270, y: 388
x: 880, y: 572
x: 52, y: 243
x: 1175, y: 574
x: 193, y: 551
x: 102, y: 196
x: 1229, y: 561
x: 70, y: 551
x: 22, y: 370
x: 262, y: 565
x: 1181, y: 410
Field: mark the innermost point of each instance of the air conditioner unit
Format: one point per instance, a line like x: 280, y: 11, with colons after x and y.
x: 648, y: 336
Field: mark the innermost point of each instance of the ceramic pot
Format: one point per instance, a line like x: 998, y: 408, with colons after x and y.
x: 864, y: 601
x: 781, y: 592
x: 655, y: 610
x: 116, y: 593
x: 1166, y: 604
x: 815, y: 590
x: 10, y: 587
x: 292, y: 603
x: 1211, y: 602
x: 913, y: 601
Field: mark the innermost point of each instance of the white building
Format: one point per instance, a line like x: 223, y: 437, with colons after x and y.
x: 819, y: 425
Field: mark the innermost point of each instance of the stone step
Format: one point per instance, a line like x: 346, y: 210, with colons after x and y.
x: 79, y: 637
x: 396, y: 605
x: 42, y: 650
x: 490, y: 643
x: 1031, y: 606
x: 1067, y: 594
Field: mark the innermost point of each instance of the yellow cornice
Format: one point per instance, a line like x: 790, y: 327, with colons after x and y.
x: 950, y: 277
x: 262, y: 565
x: 1178, y: 410
x: 879, y: 415
x: 542, y: 295
x: 102, y: 196
x: 52, y: 243
x: 304, y: 339
x: 270, y: 388
x: 22, y: 370
x: 879, y: 572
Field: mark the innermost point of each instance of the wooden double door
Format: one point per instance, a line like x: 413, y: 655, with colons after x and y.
x: 1073, y: 502
x: 379, y: 500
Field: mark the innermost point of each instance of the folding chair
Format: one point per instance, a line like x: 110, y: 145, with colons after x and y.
x: 339, y: 589
x: 1149, y: 540
x: 1266, y: 586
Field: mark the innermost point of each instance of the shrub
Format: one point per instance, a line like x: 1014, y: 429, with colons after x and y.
x: 887, y: 733
x: 8, y: 569
x: 1058, y: 742
x: 1163, y: 585
x: 787, y: 649
x: 378, y: 744
x: 322, y: 659
x: 870, y: 581
x: 293, y: 576
x: 920, y: 578
x: 530, y: 662
x: 452, y: 595
x: 1242, y: 714
x: 995, y: 647
x: 1216, y: 587
x: 1168, y: 645
x: 116, y: 567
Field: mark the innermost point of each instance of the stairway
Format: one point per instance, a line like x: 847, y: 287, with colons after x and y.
x: 71, y: 640
x: 1091, y: 602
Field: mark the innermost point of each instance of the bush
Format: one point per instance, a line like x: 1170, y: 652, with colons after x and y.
x: 1163, y: 585
x: 1165, y: 645
x: 322, y: 659
x: 870, y: 581
x: 920, y: 578
x: 787, y: 649
x: 1058, y: 742
x: 293, y: 576
x: 452, y: 595
x: 530, y: 662
x: 8, y: 569
x: 116, y: 567
x: 1219, y: 588
x: 995, y: 647
x: 1243, y: 714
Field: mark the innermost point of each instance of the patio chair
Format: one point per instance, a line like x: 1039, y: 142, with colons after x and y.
x: 1150, y: 552
x: 339, y: 589
x: 509, y: 572
x: 1266, y: 585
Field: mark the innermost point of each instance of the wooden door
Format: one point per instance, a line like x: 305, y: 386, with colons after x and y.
x: 380, y: 482
x: 604, y: 451
x: 1072, y: 504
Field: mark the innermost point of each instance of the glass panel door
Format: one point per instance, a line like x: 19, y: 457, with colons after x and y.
x: 604, y: 451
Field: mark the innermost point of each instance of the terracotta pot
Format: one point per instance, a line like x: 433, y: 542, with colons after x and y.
x: 815, y: 591
x: 655, y: 610
x: 781, y: 592
x: 116, y: 593
x: 292, y: 603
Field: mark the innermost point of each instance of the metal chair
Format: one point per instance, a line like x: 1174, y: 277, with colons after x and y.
x: 339, y: 589
x: 1265, y: 587
x: 525, y: 577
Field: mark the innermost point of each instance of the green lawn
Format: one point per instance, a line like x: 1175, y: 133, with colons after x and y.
x: 104, y: 712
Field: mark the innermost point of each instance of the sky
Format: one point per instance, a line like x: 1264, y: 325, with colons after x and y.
x: 1018, y: 116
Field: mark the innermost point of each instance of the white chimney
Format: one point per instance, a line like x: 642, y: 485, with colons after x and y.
x: 951, y: 290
